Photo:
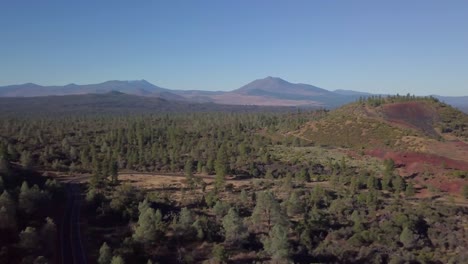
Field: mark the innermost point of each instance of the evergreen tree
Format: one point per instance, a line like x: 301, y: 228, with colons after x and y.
x: 219, y: 253
x: 150, y: 226
x: 398, y: 184
x: 4, y: 166
x: 96, y: 176
x: 114, y: 171
x: 221, y: 168
x: 303, y: 176
x: 105, y: 254
x: 185, y: 220
x: 277, y: 244
x: 48, y: 235
x: 29, y: 238
x: 201, y: 227
x: 465, y: 191
x: 267, y: 211
x: 7, y: 202
x: 24, y: 198
x: 26, y: 160
x: 294, y: 205
x: 7, y: 219
x: 407, y: 237
x: 234, y: 228
x: 409, y: 192
x: 220, y: 209
x: 30, y: 198
x: 117, y: 260
x: 269, y: 174
x: 244, y: 198
x: 372, y: 183
x: 188, y: 170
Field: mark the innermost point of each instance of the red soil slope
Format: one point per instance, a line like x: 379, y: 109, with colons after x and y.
x: 414, y: 115
x: 412, y: 163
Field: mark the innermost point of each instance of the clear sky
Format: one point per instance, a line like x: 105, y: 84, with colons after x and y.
x: 393, y: 46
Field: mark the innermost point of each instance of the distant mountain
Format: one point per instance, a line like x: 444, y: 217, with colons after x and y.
x: 269, y: 91
x: 279, y: 88
x: 142, y: 88
x: 273, y: 90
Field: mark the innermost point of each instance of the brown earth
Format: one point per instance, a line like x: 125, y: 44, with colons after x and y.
x: 420, y: 165
x: 409, y: 159
x: 415, y: 115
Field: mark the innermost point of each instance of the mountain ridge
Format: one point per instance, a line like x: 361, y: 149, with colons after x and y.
x: 273, y: 91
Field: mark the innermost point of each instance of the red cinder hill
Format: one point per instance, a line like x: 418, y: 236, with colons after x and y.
x: 422, y: 135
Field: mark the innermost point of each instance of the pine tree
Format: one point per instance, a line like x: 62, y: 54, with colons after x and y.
x: 407, y: 237
x: 220, y: 209
x: 114, y: 171
x: 48, y: 235
x: 409, y: 192
x: 117, y: 260
x: 4, y: 166
x: 465, y: 191
x: 150, y: 226
x: 185, y: 220
x: 234, y: 228
x: 26, y: 160
x: 105, y: 254
x: 398, y: 184
x: 294, y: 204
x: 277, y: 244
x: 372, y: 183
x: 7, y: 219
x: 7, y: 202
x: 303, y: 176
x: 219, y: 253
x: 28, y: 238
x: 244, y: 198
x: 96, y: 176
x: 188, y: 171
x: 201, y: 227
x: 221, y: 168
x: 24, y: 198
x: 268, y: 211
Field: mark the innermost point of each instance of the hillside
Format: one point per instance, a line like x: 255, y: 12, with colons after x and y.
x: 422, y: 135
x: 386, y: 122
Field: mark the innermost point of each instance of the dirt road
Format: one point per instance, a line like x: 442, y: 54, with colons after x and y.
x: 72, y: 248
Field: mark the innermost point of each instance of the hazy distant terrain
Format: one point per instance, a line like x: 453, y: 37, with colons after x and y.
x: 114, y: 103
x: 270, y: 91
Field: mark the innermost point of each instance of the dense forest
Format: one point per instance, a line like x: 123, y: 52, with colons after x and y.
x: 240, y: 202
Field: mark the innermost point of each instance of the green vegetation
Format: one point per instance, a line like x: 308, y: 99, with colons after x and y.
x: 27, y: 203
x: 384, y: 122
x: 250, y: 188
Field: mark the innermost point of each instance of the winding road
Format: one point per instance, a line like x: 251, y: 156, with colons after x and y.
x: 72, y: 248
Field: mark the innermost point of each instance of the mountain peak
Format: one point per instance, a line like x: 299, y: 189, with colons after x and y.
x: 273, y: 79
x: 274, y: 87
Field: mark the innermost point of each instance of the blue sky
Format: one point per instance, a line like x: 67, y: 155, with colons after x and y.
x: 413, y: 46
